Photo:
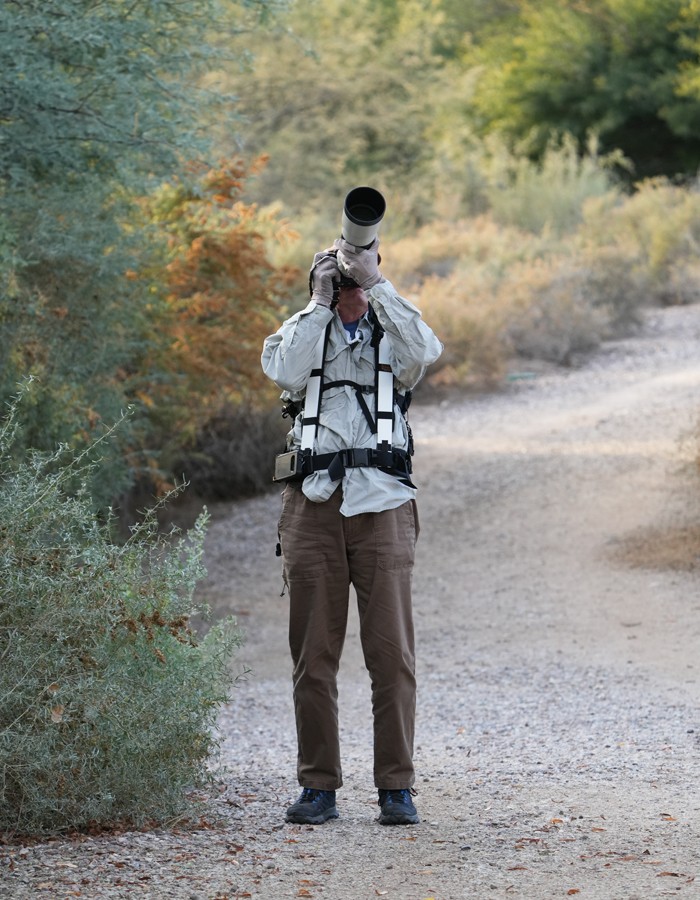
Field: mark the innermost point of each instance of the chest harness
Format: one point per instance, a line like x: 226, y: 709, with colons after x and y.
x: 383, y: 455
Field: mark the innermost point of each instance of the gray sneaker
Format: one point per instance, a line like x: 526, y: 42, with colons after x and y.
x: 313, y: 807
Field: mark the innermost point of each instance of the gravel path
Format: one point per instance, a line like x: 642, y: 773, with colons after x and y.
x: 557, y: 616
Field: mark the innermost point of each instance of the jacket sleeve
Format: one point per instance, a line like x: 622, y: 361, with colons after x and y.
x: 288, y: 355
x: 413, y: 345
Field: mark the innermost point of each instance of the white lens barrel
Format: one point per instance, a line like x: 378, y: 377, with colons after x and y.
x: 362, y: 214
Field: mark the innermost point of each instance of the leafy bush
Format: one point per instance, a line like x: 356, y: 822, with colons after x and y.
x: 461, y: 310
x: 492, y: 292
x: 323, y: 136
x: 220, y: 298
x: 551, y: 315
x: 657, y: 229
x: 107, y: 697
x: 619, y: 68
x: 85, y: 125
x: 545, y: 195
x: 88, y: 127
x: 234, y: 453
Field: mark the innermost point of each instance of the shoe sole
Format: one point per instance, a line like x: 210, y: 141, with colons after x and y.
x: 399, y: 819
x: 301, y: 819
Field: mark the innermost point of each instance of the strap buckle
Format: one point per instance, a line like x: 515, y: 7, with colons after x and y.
x: 357, y: 457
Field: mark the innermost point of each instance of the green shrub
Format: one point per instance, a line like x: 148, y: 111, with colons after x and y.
x: 107, y: 697
x: 548, y: 195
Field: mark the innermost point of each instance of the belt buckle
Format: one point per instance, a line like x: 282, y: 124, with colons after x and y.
x: 357, y: 458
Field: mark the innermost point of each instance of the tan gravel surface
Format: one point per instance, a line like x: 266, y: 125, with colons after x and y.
x: 558, y: 625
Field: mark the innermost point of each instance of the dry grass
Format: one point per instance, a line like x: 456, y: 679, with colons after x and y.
x: 440, y: 248
x: 552, y: 316
x: 494, y: 291
x: 657, y: 230
x: 463, y: 310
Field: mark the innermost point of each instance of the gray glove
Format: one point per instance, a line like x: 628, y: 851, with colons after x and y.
x: 360, y: 265
x: 324, y: 272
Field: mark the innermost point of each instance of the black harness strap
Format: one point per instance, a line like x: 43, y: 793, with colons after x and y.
x: 359, y: 389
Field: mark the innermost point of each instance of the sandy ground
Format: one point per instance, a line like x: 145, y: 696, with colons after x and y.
x: 558, y: 624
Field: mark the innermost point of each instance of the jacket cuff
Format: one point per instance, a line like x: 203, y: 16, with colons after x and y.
x: 312, y: 307
x: 383, y: 290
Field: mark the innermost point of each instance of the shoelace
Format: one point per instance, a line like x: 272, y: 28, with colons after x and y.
x: 402, y: 795
x: 310, y: 795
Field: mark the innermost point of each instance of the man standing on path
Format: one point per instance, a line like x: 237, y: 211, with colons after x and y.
x: 349, y: 515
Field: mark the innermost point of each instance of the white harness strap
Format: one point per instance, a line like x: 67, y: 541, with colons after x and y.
x: 385, y: 397
x: 312, y: 401
x: 384, y: 392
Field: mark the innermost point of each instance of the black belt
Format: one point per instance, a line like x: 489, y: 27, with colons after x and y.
x: 395, y: 462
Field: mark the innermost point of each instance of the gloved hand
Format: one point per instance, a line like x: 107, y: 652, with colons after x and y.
x: 323, y: 272
x: 360, y: 265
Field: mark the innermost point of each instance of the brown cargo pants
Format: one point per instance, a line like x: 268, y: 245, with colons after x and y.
x: 324, y: 553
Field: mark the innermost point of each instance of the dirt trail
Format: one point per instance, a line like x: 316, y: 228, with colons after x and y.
x: 559, y: 686
x: 558, y: 747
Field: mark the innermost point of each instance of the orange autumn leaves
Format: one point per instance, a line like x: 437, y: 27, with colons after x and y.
x: 221, y: 297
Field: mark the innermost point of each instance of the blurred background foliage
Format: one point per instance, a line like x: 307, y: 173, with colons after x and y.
x: 168, y: 168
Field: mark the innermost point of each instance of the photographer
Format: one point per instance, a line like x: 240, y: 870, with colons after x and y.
x: 349, y: 516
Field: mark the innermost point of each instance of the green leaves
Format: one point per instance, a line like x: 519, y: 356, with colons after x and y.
x: 98, y: 100
x: 349, y: 85
x: 617, y: 68
x: 107, y: 697
x: 86, y: 85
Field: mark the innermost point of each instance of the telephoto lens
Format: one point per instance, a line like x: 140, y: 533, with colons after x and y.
x: 362, y: 214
